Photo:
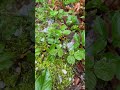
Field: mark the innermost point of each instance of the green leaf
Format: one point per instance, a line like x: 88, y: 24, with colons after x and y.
x: 72, y: 20
x: 83, y: 38
x: 51, y: 58
x: 53, y: 51
x: 89, y: 62
x: 44, y: 81
x: 80, y: 54
x: 114, y: 59
x: 66, y: 32
x: 63, y: 27
x: 96, y: 4
x: 77, y: 40
x: 116, y: 29
x: 100, y: 27
x: 71, y: 52
x: 60, y: 52
x: 71, y: 59
x: 97, y: 46
x: 104, y: 70
x: 53, y: 13
x: 37, y: 51
x: 6, y: 60
x: 90, y: 80
x: 70, y: 1
x: 76, y: 37
x: 50, y: 40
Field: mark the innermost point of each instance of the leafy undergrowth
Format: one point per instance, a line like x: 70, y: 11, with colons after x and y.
x: 103, y: 45
x: 59, y: 45
x: 16, y: 48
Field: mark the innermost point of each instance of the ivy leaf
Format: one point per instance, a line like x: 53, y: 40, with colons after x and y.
x: 71, y: 59
x: 80, y: 54
x: 104, y: 70
x: 44, y: 81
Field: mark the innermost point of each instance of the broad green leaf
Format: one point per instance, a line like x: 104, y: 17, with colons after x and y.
x: 80, y: 54
x: 97, y: 46
x: 50, y: 40
x: 76, y: 37
x: 104, y: 70
x: 66, y: 32
x: 53, y: 51
x: 100, y: 27
x: 72, y: 20
x: 71, y: 52
x: 63, y: 27
x: 37, y: 51
x: 69, y: 1
x: 51, y: 58
x: 77, y: 40
x: 60, y: 52
x: 116, y: 29
x: 71, y: 59
x: 44, y: 81
x: 89, y: 62
x: 115, y: 59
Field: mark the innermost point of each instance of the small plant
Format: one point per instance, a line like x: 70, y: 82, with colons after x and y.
x: 102, y: 60
x: 59, y: 39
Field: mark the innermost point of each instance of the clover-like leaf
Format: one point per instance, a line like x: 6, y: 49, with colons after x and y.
x: 80, y: 54
x: 71, y: 59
